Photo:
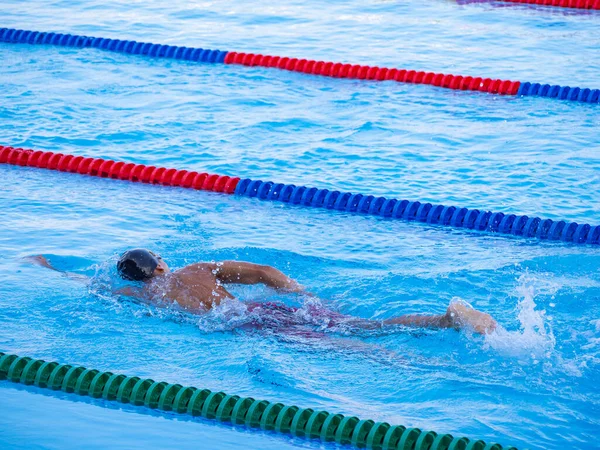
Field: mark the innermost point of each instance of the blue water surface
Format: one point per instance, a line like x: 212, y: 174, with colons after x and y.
x: 532, y: 384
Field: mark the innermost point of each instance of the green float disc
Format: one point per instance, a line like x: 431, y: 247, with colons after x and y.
x: 57, y: 376
x: 240, y: 409
x: 153, y: 394
x: 196, y: 402
x: 426, y: 439
x: 82, y: 387
x: 226, y: 408
x: 298, y: 426
x: 330, y: 426
x: 376, y: 435
x: 360, y: 433
x: 165, y: 402
x: 476, y: 445
x: 43, y: 374
x: 284, y: 419
x: 315, y: 422
x: 139, y: 391
x: 392, y: 437
x: 125, y: 389
x: 255, y: 413
x: 30, y: 371
x: 98, y: 383
x: 16, y: 368
x: 496, y: 447
x: 112, y: 387
x: 70, y: 379
x: 269, y: 416
x: 408, y: 439
x: 343, y: 435
x: 5, y: 362
x: 182, y: 399
x: 211, y: 404
x: 442, y: 442
x: 459, y: 444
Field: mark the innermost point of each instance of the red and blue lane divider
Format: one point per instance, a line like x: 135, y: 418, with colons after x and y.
x: 450, y: 216
x: 579, y: 4
x: 306, y: 66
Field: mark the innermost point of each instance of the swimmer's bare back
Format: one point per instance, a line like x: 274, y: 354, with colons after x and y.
x: 199, y: 287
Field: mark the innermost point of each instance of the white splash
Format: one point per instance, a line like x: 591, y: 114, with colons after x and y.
x: 534, y: 340
x: 227, y: 316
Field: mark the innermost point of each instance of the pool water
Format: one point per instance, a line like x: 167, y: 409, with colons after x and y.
x: 532, y: 384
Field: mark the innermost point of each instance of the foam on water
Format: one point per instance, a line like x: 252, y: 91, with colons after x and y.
x: 228, y: 316
x: 534, y: 339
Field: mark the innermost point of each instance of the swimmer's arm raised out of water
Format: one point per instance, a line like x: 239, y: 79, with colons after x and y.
x: 239, y: 272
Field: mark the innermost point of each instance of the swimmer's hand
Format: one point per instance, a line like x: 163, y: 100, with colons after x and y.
x: 461, y: 315
x: 39, y: 260
x: 293, y: 287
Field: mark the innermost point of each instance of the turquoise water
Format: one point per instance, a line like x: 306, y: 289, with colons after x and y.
x: 532, y: 384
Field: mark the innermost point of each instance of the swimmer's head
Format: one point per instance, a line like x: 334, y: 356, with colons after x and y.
x: 140, y: 264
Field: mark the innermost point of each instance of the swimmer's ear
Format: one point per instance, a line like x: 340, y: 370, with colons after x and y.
x: 159, y: 270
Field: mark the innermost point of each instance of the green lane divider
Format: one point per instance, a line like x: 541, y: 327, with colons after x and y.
x: 277, y: 417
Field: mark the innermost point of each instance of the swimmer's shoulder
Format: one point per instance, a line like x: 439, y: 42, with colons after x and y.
x: 196, y: 269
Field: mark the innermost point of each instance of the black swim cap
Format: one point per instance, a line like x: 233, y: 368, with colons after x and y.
x: 137, y: 264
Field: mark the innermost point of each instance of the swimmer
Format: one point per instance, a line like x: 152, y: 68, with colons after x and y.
x: 199, y: 287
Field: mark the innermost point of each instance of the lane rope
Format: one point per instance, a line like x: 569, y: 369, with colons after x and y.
x: 579, y: 4
x: 276, y: 417
x: 450, y: 216
x: 306, y: 66
x: 118, y: 170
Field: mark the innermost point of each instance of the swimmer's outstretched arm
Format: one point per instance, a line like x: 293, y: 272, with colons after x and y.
x: 239, y: 272
x: 40, y: 260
